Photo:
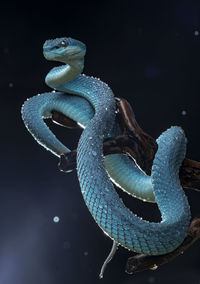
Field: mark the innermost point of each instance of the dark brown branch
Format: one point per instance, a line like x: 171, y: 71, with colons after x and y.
x: 190, y: 174
x: 134, y: 141
x: 63, y: 120
x: 67, y: 162
x: 143, y: 262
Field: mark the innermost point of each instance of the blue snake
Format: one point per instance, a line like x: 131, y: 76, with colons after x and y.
x: 92, y: 104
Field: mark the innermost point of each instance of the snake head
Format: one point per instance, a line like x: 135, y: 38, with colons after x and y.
x: 64, y: 49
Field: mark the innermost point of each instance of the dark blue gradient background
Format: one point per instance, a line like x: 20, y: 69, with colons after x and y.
x: 148, y: 53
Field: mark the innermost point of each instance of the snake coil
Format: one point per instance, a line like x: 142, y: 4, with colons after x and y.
x: 92, y: 104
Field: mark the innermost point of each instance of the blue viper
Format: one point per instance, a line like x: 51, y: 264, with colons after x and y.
x: 92, y: 104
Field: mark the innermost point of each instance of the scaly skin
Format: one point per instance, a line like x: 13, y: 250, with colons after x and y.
x: 98, y: 192
x: 123, y: 171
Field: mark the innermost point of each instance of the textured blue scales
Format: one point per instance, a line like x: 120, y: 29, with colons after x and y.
x: 142, y: 236
x: 39, y: 107
x: 98, y: 192
x: 123, y: 172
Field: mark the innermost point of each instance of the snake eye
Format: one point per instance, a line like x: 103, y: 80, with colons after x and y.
x: 63, y: 43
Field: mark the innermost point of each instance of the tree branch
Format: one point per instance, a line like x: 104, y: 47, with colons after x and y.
x: 134, y: 141
x: 143, y: 262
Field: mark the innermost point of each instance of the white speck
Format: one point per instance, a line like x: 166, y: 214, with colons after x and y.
x: 154, y: 267
x: 183, y: 112
x: 10, y: 85
x: 106, y: 108
x: 56, y: 219
x: 85, y: 253
x: 196, y: 33
x: 81, y: 125
x: 90, y: 137
x: 53, y: 91
x: 94, y: 153
x: 106, y: 233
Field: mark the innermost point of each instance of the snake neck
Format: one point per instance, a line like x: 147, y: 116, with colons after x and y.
x: 63, y: 74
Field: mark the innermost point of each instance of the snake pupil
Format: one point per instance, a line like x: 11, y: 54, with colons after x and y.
x: 63, y: 43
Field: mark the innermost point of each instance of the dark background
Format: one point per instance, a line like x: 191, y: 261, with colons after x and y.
x: 149, y: 53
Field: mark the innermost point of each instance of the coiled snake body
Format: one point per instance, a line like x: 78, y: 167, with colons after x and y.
x: 98, y: 115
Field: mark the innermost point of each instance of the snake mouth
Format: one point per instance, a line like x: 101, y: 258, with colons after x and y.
x: 50, y: 55
x: 54, y: 56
